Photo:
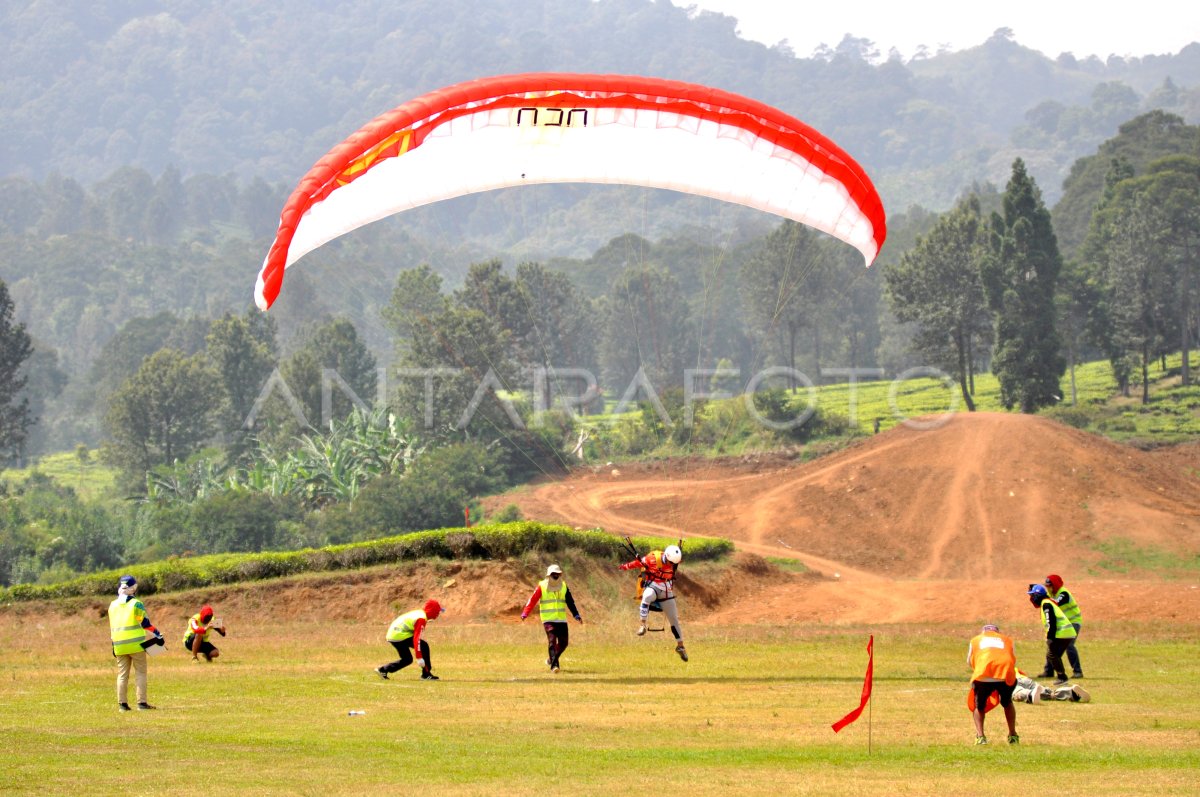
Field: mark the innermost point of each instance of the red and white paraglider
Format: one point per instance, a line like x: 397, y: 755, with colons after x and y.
x: 553, y: 128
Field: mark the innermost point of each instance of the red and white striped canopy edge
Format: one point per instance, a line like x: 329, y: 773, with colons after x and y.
x: 550, y: 128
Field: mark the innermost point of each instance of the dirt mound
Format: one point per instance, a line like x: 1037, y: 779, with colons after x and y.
x: 987, y: 501
x: 986, y: 495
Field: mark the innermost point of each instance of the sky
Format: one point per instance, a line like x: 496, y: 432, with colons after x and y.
x: 1137, y: 27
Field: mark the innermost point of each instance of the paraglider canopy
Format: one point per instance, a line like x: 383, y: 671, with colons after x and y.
x: 550, y: 128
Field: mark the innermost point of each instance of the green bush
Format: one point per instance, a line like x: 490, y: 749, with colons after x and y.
x: 484, y: 542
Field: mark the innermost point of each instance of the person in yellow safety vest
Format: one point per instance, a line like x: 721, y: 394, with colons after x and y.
x: 993, y: 662
x: 1059, y: 632
x: 131, y: 632
x: 554, y: 599
x: 1066, y: 602
x: 197, y: 636
x: 404, y: 634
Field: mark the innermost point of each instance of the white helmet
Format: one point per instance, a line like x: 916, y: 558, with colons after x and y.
x: 673, y: 554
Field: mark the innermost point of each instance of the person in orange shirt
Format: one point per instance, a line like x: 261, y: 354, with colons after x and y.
x: 993, y: 662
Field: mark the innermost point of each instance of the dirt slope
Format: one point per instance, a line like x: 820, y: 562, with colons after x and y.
x: 909, y: 526
x: 985, y: 503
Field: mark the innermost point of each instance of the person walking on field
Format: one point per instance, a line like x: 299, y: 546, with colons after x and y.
x: 1059, y: 632
x: 405, y: 636
x: 658, y: 575
x: 128, y: 627
x: 1066, y: 602
x: 993, y: 662
x: 554, y: 600
x: 196, y: 639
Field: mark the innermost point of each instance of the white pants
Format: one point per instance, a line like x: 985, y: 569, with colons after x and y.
x: 664, y: 594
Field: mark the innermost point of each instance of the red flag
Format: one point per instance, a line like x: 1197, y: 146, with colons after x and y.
x: 866, y: 690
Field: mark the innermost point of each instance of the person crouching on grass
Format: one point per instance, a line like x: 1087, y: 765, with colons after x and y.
x: 197, y: 637
x: 554, y: 601
x: 993, y: 662
x: 405, y: 636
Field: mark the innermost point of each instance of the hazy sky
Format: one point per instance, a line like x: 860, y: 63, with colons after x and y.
x: 1128, y: 27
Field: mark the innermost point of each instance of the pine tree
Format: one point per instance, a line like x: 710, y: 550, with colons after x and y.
x: 15, y: 348
x: 1020, y: 279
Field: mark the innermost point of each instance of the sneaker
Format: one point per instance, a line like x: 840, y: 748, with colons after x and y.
x: 554, y: 668
x: 123, y: 707
x: 146, y: 707
x: 428, y: 676
x: 1044, y: 674
x: 382, y: 673
x: 641, y: 630
x: 1060, y: 681
x: 1077, y: 674
x: 1080, y: 695
x: 980, y: 740
x: 680, y: 650
x: 1014, y: 739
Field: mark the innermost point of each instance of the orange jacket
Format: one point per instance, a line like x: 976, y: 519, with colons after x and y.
x: 992, y: 657
x: 657, y: 568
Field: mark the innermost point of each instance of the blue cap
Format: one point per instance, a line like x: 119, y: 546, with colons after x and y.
x: 1038, y: 590
x: 128, y: 581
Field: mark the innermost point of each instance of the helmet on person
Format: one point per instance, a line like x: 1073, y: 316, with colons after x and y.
x: 206, y: 613
x: 1054, y: 582
x: 673, y: 554
x: 1037, y: 593
x: 128, y: 581
x: 432, y: 609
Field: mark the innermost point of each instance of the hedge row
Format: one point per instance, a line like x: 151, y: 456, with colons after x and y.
x: 500, y: 541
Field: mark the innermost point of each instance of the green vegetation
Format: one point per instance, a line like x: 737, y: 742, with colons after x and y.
x: 80, y: 470
x: 1126, y: 557
x: 748, y: 714
x: 484, y: 542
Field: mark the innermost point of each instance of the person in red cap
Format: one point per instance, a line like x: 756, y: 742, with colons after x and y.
x: 405, y: 635
x: 197, y: 637
x: 1066, y: 602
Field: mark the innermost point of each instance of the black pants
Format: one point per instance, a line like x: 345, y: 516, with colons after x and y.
x: 1054, y: 656
x: 405, y: 648
x: 558, y: 636
x: 1072, y: 653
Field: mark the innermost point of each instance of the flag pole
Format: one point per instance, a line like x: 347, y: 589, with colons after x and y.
x: 870, y: 701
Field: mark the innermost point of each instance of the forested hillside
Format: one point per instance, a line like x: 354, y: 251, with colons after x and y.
x: 263, y: 89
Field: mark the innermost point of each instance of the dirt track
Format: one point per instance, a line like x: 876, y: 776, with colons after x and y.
x: 915, y: 525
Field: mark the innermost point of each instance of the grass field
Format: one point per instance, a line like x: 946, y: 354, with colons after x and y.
x: 89, y: 479
x: 749, y: 714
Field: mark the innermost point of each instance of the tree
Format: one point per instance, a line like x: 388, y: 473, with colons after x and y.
x: 15, y: 348
x: 331, y: 369
x: 163, y: 413
x: 938, y: 286
x: 1142, y: 252
x: 244, y: 357
x: 44, y: 381
x: 1020, y: 279
x: 646, y: 326
x: 784, y: 287
x: 416, y: 298
x: 458, y: 358
x: 488, y: 289
x: 561, y: 335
